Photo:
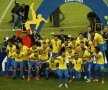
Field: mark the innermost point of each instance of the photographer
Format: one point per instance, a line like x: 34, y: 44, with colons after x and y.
x: 18, y: 16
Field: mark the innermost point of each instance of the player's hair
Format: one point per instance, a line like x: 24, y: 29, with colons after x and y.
x: 17, y: 47
x: 89, y: 26
x: 91, y: 31
x: 82, y: 42
x: 70, y: 47
x: 44, y: 42
x: 83, y: 48
x: 81, y: 34
x: 20, y: 42
x: 62, y: 51
x: 72, y: 39
x: 10, y: 40
x: 55, y: 35
x: 65, y: 39
x: 61, y: 30
x: 87, y: 44
x: 97, y: 48
x: 34, y: 43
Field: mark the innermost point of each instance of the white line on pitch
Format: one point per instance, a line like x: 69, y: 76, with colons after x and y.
x: 3, y: 15
x: 65, y: 27
x: 4, y: 30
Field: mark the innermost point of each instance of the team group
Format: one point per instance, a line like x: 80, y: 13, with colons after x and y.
x: 61, y: 56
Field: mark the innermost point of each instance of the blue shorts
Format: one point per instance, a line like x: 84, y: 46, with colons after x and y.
x: 52, y: 71
x: 84, y: 61
x: 99, y: 67
x: 103, y: 47
x: 77, y: 74
x: 43, y: 61
x: 69, y: 64
x: 18, y: 63
x: 55, y: 54
x: 85, y: 64
x: 25, y: 63
x: 31, y: 63
x: 89, y: 66
x: 10, y: 62
x: 63, y: 72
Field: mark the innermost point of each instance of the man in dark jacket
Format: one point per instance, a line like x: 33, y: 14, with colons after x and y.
x: 87, y: 34
x: 105, y: 36
x: 62, y: 36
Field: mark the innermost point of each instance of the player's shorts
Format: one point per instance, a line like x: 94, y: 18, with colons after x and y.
x: 89, y: 66
x: 77, y: 74
x: 43, y: 61
x: 18, y: 63
x: 84, y: 61
x: 25, y: 63
x: 99, y: 67
x: 55, y: 54
x: 103, y: 47
x: 10, y: 61
x: 70, y: 63
x: 62, y: 72
x: 52, y: 71
x: 31, y: 63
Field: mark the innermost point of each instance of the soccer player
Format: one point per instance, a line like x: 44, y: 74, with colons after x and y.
x: 24, y: 49
x: 65, y: 45
x: 63, y: 70
x: 77, y: 66
x: 44, y: 52
x: 98, y: 41
x: 10, y: 58
x: 72, y: 43
x: 88, y: 56
x: 99, y: 65
x: 34, y: 48
x: 70, y: 55
x: 44, y: 39
x: 18, y: 62
x: 80, y: 38
x: 56, y: 46
x: 34, y: 61
x: 51, y: 67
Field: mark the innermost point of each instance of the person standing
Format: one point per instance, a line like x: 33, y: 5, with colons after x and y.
x: 87, y: 34
x: 63, y: 70
x: 105, y: 36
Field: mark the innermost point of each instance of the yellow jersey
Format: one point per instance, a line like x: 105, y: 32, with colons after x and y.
x: 56, y: 45
x: 69, y: 54
x: 18, y: 57
x: 24, y: 50
x: 46, y: 40
x: 77, y: 42
x: 62, y: 62
x: 33, y: 50
x: 52, y: 65
x: 98, y: 39
x: 86, y: 56
x: 11, y: 50
x: 78, y: 50
x: 32, y: 57
x: 44, y: 53
x: 92, y: 46
x: 77, y: 64
x: 71, y: 44
x: 100, y: 58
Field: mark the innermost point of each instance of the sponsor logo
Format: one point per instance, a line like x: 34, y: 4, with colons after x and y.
x: 81, y: 1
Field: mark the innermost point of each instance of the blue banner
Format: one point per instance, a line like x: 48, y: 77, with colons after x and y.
x: 100, y: 7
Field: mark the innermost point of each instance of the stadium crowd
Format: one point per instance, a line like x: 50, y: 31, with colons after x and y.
x: 63, y: 55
